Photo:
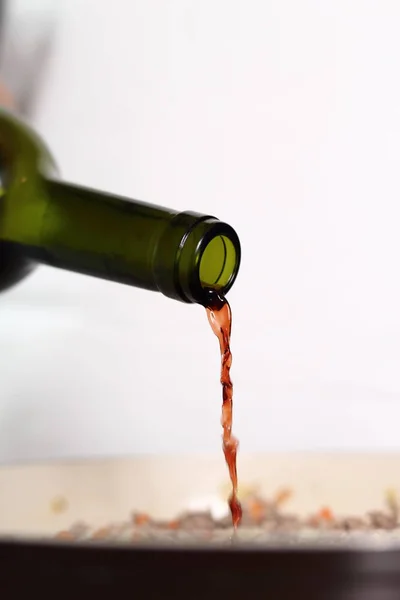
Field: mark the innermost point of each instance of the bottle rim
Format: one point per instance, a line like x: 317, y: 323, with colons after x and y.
x: 198, y: 290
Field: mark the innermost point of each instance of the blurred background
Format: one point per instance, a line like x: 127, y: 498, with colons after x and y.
x: 283, y: 119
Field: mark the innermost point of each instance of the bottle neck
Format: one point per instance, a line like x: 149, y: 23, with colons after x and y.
x: 107, y: 236
x: 183, y: 255
x: 85, y: 231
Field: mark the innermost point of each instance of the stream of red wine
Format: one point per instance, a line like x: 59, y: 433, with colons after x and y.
x: 220, y: 318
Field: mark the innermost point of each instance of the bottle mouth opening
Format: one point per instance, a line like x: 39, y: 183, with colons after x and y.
x: 218, y: 261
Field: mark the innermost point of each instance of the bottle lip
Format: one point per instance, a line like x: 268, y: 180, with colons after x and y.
x: 182, y: 246
x: 196, y: 291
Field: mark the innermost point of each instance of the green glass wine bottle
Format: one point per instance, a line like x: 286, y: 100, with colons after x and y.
x: 184, y: 255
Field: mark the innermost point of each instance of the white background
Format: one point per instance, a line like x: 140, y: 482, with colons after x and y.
x: 282, y: 118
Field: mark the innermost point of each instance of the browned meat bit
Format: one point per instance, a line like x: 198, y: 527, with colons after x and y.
x: 141, y: 519
x: 65, y: 535
x: 323, y: 519
x: 79, y: 530
x: 197, y: 521
x: 282, y: 496
x: 287, y: 523
x: 381, y: 520
x: 255, y: 510
x: 104, y: 533
x: 351, y: 524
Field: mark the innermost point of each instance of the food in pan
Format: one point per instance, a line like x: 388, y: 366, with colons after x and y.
x: 263, y: 520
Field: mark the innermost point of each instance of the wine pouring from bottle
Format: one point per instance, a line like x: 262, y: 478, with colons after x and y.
x: 184, y: 255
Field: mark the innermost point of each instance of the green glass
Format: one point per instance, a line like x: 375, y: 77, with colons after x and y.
x: 44, y: 220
